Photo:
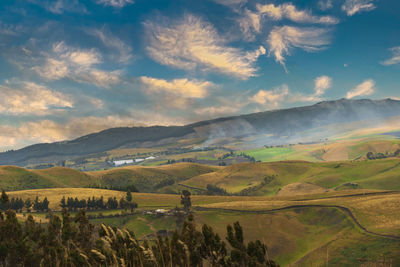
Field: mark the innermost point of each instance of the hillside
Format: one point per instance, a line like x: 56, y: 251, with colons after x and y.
x: 146, y: 179
x: 281, y: 126
x: 271, y: 177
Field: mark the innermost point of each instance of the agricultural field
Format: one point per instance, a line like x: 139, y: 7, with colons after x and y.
x: 298, y: 230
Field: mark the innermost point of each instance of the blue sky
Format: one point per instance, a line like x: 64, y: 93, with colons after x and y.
x: 72, y: 67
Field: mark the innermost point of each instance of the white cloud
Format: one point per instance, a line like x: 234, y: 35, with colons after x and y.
x: 274, y: 98
x: 271, y: 98
x: 290, y: 12
x: 179, y: 87
x: 395, y: 59
x: 76, y: 64
x: 192, y: 43
x: 282, y: 39
x: 115, y: 3
x: 250, y: 23
x: 113, y: 42
x: 322, y: 83
x: 365, y: 88
x: 352, y: 7
x: 31, y: 98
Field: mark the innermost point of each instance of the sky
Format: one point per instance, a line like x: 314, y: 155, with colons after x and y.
x: 73, y: 67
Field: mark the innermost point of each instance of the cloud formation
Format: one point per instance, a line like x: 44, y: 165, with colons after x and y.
x: 271, y: 98
x: 124, y: 51
x: 274, y: 98
x: 76, y: 64
x: 365, y: 88
x: 282, y: 40
x: 32, y: 99
x: 352, y: 7
x: 179, y: 87
x: 61, y: 6
x: 395, y: 59
x: 192, y: 43
x: 325, y: 4
x: 290, y: 12
x: 115, y: 3
x: 322, y: 83
x: 251, y: 21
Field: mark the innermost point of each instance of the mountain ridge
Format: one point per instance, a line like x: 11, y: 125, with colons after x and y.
x: 280, y: 122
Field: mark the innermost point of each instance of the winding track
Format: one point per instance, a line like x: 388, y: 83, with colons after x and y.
x: 344, y: 209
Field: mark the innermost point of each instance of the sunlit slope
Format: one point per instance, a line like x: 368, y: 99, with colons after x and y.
x: 350, y: 149
x: 16, y: 178
x: 146, y: 179
x: 269, y: 177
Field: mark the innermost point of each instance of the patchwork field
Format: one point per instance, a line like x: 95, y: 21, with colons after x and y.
x: 298, y: 230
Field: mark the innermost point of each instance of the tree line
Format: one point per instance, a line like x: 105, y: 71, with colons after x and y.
x: 93, y: 203
x: 69, y: 241
x: 18, y: 204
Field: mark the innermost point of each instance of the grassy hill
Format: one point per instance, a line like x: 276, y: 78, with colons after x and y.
x: 146, y: 179
x: 269, y: 177
x: 16, y: 178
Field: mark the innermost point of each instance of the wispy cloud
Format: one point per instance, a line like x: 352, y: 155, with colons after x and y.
x: 325, y: 4
x: 282, y: 40
x: 251, y: 22
x: 365, y: 88
x: 352, y: 7
x: 115, y: 3
x: 124, y: 51
x: 395, y: 59
x: 290, y: 12
x: 282, y: 94
x: 192, y: 43
x: 76, y: 64
x: 179, y: 87
x: 61, y: 6
x: 231, y: 3
x: 32, y: 99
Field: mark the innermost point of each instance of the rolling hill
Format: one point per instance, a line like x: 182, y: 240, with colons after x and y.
x: 277, y: 126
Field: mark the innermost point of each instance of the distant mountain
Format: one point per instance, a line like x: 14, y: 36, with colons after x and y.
x: 283, y: 123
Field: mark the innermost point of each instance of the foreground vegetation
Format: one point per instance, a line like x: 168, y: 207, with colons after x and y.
x: 75, y: 242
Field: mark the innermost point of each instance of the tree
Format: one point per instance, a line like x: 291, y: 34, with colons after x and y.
x: 45, y: 204
x: 63, y: 204
x: 129, y: 196
x: 28, y: 204
x: 4, y: 201
x: 185, y: 200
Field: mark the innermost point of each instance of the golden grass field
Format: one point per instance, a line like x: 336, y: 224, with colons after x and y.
x: 297, y: 235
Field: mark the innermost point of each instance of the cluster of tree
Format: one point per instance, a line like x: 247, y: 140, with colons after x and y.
x: 68, y: 241
x: 17, y: 204
x: 379, y: 155
x: 227, y: 155
x: 250, y: 158
x: 215, y: 190
x: 171, y: 161
x: 39, y: 205
x: 125, y: 188
x: 94, y: 203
